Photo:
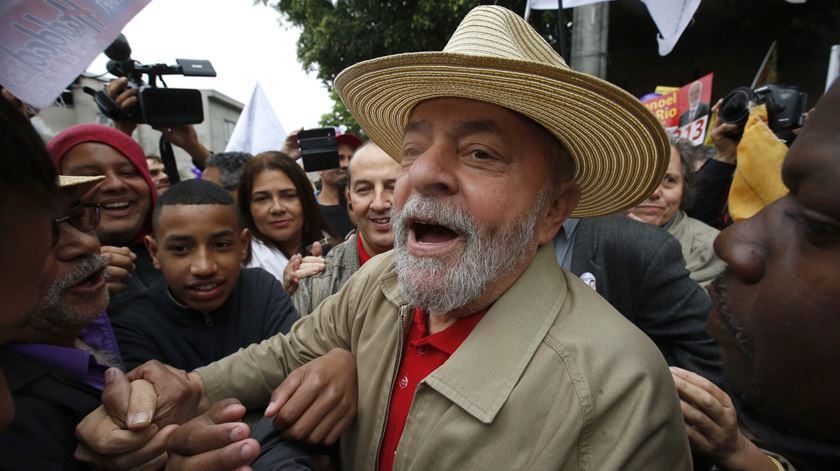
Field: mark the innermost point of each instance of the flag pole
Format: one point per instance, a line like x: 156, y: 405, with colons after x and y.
x: 561, y: 31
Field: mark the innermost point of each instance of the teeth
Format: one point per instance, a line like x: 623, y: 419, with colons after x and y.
x: 116, y: 205
x: 207, y: 287
x: 382, y: 220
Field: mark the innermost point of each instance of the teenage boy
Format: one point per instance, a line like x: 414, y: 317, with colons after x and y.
x: 206, y: 306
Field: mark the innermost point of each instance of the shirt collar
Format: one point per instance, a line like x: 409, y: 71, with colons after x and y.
x: 363, y: 255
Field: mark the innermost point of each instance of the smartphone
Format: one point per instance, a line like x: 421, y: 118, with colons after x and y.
x: 319, y: 149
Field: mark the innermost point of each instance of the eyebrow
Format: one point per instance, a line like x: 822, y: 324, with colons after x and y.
x: 475, y: 126
x: 190, y: 238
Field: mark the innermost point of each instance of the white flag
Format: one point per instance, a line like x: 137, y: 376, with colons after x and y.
x: 552, y: 4
x: 671, y: 18
x: 258, y: 129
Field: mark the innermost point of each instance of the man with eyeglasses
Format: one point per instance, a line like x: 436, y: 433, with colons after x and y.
x: 55, y: 364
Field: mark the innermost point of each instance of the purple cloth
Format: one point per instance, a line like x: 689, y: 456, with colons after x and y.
x: 77, y: 363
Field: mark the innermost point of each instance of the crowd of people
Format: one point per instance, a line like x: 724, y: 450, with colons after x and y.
x: 519, y: 269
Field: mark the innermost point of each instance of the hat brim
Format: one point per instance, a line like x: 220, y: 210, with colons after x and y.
x: 620, y: 150
x: 71, y: 181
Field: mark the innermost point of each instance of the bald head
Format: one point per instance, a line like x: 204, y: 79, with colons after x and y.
x: 370, y: 195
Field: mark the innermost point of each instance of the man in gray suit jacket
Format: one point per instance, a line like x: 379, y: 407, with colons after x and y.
x: 639, y: 269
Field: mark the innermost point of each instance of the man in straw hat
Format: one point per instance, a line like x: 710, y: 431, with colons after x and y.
x: 475, y: 350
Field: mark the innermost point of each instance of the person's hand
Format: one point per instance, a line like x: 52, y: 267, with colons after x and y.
x: 291, y: 146
x: 726, y: 148
x: 179, y: 396
x: 185, y: 137
x: 711, y: 423
x: 317, y: 402
x: 125, y: 98
x: 300, y: 267
x: 106, y: 444
x: 120, y: 267
x: 213, y: 441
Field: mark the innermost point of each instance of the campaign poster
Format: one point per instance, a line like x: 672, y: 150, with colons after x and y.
x: 685, y: 112
x: 45, y: 44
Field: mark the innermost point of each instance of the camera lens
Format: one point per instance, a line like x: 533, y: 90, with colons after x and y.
x: 735, y: 108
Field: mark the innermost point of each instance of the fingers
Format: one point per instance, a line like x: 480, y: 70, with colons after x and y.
x: 215, y: 429
x: 282, y: 393
x: 702, y: 392
x: 234, y: 456
x: 317, y: 250
x: 214, y: 440
x: 151, y: 454
x: 178, y: 394
x: 99, y: 435
x: 142, y: 404
x: 116, y: 395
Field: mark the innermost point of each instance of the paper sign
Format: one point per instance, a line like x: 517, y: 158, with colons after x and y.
x: 46, y: 44
x: 685, y: 112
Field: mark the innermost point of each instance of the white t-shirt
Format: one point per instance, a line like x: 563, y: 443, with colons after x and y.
x: 268, y: 258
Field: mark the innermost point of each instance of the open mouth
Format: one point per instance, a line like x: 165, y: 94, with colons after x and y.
x: 381, y: 221
x: 90, y: 284
x: 426, y: 233
x: 205, y: 290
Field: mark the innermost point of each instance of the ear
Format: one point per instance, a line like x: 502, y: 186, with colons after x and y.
x: 152, y: 247
x: 245, y: 240
x: 347, y: 197
x: 561, y: 205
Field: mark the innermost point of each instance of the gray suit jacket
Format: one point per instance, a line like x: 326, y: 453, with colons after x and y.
x: 640, y: 270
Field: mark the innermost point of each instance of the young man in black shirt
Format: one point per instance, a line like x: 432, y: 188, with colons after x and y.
x: 206, y: 306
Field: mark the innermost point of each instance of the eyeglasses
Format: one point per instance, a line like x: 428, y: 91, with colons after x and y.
x: 84, y: 217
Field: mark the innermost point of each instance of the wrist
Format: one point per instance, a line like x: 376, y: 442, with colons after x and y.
x: 748, y: 458
x: 726, y: 157
x: 198, y: 385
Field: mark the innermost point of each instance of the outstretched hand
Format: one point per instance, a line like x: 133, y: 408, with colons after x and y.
x: 711, y: 423
x: 317, y: 402
x: 300, y: 267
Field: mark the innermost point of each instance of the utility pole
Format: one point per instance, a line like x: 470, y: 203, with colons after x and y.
x: 590, y: 26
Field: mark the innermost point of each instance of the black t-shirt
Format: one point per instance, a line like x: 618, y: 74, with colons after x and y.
x: 338, y: 219
x: 153, y: 326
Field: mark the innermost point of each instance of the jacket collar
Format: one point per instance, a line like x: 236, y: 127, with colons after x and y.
x: 481, y: 374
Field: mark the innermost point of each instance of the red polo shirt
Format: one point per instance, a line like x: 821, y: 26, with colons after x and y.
x: 363, y: 255
x: 422, y: 354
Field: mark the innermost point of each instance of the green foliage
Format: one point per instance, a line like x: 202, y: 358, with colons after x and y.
x: 336, y: 36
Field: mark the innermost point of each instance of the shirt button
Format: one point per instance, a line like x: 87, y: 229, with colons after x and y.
x: 422, y: 349
x: 403, y: 382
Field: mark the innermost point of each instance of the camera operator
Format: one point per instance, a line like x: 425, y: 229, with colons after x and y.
x: 715, y: 177
x: 183, y: 136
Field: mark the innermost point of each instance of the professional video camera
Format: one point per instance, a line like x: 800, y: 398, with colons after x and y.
x: 786, y: 108
x: 155, y: 106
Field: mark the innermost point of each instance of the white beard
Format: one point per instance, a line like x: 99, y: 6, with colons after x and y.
x: 443, y: 284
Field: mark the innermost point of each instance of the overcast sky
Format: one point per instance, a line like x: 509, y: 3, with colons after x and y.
x: 245, y: 43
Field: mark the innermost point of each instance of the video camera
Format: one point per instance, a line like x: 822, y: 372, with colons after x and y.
x: 786, y: 108
x: 155, y: 106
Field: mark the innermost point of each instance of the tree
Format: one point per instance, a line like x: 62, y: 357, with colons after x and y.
x: 337, y: 35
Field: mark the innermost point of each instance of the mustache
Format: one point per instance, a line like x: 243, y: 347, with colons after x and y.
x: 721, y: 298
x: 86, y: 267
x: 432, y: 211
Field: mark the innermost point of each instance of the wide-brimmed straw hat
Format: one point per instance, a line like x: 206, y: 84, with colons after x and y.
x: 68, y: 181
x: 619, y: 148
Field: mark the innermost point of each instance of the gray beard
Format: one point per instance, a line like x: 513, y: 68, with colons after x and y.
x: 53, y: 316
x: 442, y: 285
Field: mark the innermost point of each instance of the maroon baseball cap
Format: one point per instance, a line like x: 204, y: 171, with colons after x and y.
x: 348, y: 138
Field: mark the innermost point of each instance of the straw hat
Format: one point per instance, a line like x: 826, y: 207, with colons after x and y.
x: 68, y: 181
x: 620, y: 150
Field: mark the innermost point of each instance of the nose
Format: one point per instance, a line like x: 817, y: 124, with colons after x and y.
x: 744, y: 249
x: 203, y: 265
x: 657, y: 194
x: 112, y: 184
x: 73, y: 243
x: 382, y: 200
x: 277, y: 205
x: 432, y: 172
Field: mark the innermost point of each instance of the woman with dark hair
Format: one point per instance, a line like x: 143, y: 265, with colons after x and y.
x: 666, y: 208
x: 127, y: 197
x: 278, y: 205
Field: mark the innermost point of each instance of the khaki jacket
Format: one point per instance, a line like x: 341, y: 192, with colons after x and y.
x: 551, y: 378
x: 697, y: 241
